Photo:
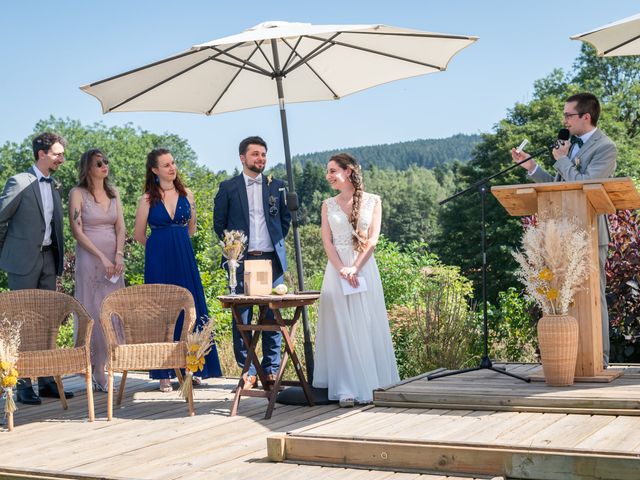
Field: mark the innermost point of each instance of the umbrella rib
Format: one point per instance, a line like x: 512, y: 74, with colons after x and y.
x: 325, y: 44
x: 388, y: 55
x: 136, y: 70
x: 295, y: 53
x: 264, y: 55
x: 243, y: 65
x: 422, y: 35
x: 255, y: 68
x: 162, y: 82
x: 621, y: 45
x: 240, y: 69
x: 154, y: 64
x: 177, y: 74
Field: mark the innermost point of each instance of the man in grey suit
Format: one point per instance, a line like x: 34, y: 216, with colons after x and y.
x: 31, y: 239
x: 590, y: 154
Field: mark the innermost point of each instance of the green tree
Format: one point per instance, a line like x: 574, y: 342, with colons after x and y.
x: 126, y: 147
x: 538, y: 121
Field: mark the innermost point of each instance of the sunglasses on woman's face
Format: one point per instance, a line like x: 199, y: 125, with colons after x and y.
x: 104, y: 161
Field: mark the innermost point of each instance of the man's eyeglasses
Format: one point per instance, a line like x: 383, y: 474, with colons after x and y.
x: 104, y: 161
x: 569, y: 115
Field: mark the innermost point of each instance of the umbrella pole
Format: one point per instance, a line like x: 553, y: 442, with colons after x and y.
x: 292, y: 202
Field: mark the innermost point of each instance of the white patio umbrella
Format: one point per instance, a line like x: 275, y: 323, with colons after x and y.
x: 273, y: 62
x: 615, y: 39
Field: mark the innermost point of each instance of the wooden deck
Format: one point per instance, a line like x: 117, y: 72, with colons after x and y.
x: 484, y: 423
x: 488, y: 390
x: 152, y: 437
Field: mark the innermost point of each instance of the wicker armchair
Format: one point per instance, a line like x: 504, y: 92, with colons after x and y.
x: 147, y: 314
x: 42, y: 312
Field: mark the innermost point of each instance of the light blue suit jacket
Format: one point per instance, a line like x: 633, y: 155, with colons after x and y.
x: 596, y: 159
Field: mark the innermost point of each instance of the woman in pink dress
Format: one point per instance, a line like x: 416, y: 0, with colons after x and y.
x: 97, y: 222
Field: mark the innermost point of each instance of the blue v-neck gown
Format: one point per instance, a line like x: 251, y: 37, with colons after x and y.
x: 169, y: 259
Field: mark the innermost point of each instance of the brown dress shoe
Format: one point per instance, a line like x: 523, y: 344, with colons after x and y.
x: 271, y: 380
x: 250, y: 381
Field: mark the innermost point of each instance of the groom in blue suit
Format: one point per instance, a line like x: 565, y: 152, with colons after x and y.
x: 254, y: 204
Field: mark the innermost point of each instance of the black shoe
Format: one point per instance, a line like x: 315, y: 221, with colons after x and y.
x: 28, y: 396
x: 50, y: 390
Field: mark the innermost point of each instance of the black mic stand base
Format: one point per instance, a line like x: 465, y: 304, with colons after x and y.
x: 485, y: 364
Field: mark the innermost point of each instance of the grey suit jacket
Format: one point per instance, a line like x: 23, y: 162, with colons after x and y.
x: 596, y: 159
x: 22, y: 224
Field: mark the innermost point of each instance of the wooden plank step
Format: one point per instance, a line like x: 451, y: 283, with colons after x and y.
x: 465, y: 459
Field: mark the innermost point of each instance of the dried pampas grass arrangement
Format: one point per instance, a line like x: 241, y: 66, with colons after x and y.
x: 199, y: 344
x: 554, y: 261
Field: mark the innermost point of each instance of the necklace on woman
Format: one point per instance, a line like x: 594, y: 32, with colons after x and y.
x: 168, y: 189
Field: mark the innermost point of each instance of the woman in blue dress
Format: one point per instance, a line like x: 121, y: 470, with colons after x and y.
x: 169, y: 210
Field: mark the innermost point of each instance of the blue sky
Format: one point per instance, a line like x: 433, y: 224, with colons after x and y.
x: 49, y: 49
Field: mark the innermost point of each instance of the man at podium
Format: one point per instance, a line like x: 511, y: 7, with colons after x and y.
x: 589, y: 154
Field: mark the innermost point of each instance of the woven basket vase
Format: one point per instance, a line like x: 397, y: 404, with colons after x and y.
x: 558, y: 340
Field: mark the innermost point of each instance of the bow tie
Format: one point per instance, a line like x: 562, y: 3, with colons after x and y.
x: 577, y: 140
x: 257, y: 180
x: 46, y: 179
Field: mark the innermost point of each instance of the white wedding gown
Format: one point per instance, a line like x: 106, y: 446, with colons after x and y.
x: 354, y: 353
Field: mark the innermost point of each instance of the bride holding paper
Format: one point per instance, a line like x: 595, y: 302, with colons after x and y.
x: 354, y: 353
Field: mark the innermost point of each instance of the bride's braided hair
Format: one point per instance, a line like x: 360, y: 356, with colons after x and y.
x: 344, y: 160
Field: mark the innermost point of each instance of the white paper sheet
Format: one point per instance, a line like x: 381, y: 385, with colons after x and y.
x: 347, y: 289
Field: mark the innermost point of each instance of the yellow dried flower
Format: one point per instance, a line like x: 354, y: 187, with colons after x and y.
x: 552, y: 294
x: 5, y: 365
x: 9, y: 381
x: 194, y: 348
x: 191, y: 359
x: 546, y: 275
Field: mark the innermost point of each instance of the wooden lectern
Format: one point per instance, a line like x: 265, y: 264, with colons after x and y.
x: 584, y: 201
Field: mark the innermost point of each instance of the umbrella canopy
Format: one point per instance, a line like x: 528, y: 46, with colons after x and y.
x: 274, y: 61
x: 317, y: 62
x: 615, y: 39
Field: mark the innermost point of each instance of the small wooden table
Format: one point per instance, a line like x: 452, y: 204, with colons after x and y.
x: 287, y: 327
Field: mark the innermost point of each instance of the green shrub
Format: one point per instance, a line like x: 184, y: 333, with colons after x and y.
x: 65, y: 334
x: 401, y: 270
x: 433, y: 330
x: 512, y: 331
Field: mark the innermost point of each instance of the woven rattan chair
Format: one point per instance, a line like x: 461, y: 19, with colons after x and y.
x: 42, y: 312
x: 147, y: 314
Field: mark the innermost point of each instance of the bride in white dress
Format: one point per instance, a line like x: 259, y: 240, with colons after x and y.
x: 354, y: 353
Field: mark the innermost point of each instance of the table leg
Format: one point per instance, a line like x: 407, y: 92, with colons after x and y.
x: 289, y: 345
x: 251, y: 357
x: 289, y: 338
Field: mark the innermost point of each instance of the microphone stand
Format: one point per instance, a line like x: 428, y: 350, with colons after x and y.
x: 481, y: 186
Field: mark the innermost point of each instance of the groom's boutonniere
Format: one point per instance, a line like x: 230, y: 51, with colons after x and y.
x: 269, y: 180
x: 576, y: 162
x: 273, y: 210
x: 57, y: 185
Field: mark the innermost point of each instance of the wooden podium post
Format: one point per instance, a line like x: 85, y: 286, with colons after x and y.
x: 584, y: 201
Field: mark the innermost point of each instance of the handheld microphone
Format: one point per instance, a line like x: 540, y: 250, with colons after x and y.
x: 563, y: 136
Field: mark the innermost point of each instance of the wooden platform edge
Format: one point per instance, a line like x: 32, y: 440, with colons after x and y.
x: 606, y: 376
x: 508, y: 408
x: 40, y: 474
x: 542, y: 464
